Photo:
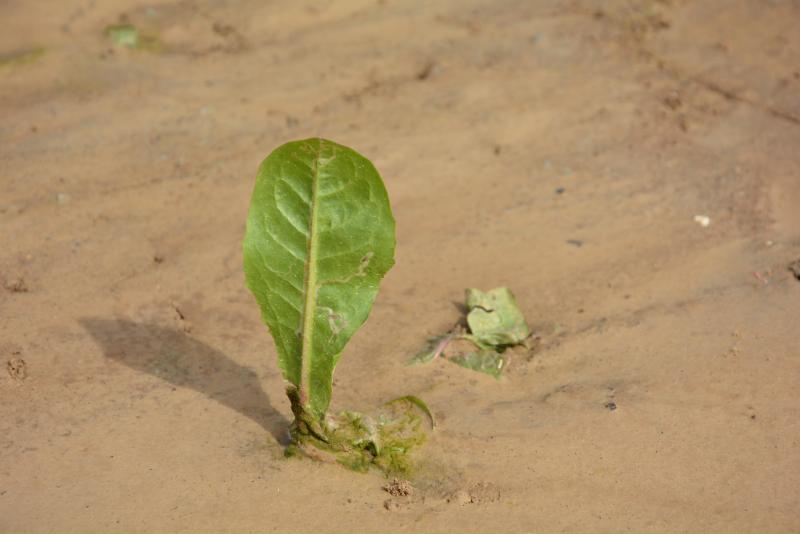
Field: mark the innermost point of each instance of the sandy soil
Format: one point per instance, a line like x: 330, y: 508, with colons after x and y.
x: 560, y: 148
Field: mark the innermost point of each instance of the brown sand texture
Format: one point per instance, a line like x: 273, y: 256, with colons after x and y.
x: 629, y: 168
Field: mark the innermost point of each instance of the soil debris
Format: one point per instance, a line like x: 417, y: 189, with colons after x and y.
x: 426, y: 71
x: 460, y: 497
x: 17, y: 369
x: 16, y: 285
x: 391, y: 505
x: 480, y: 493
x: 673, y: 100
x: 484, y: 493
x: 222, y: 29
x: 399, y: 488
x: 794, y: 268
x: 180, y: 318
x: 21, y: 57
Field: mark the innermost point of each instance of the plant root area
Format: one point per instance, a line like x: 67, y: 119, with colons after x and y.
x: 630, y: 169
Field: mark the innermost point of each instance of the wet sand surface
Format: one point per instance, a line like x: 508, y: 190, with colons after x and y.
x: 562, y: 149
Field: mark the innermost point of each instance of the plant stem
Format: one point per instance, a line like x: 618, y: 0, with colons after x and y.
x: 310, y: 286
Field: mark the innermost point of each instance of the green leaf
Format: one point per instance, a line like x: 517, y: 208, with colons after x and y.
x: 320, y: 236
x: 494, y: 318
x: 484, y: 361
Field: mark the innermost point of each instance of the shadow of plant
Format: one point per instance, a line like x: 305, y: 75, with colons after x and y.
x: 185, y: 362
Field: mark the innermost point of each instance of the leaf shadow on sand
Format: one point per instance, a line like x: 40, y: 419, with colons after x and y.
x: 182, y: 361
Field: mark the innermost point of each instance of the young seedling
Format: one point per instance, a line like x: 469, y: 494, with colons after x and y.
x: 320, y: 236
x: 495, y: 323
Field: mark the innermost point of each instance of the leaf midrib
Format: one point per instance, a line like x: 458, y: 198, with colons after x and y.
x: 309, y: 286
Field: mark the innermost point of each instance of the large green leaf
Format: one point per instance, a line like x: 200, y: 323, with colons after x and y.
x: 320, y: 236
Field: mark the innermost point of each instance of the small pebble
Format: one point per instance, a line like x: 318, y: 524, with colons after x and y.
x: 702, y: 220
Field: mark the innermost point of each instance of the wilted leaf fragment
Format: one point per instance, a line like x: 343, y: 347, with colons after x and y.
x: 495, y: 323
x: 434, y: 347
x: 129, y: 36
x: 359, y: 441
x: 485, y: 361
x: 415, y: 401
x: 495, y: 319
x: 123, y: 35
x: 320, y: 236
